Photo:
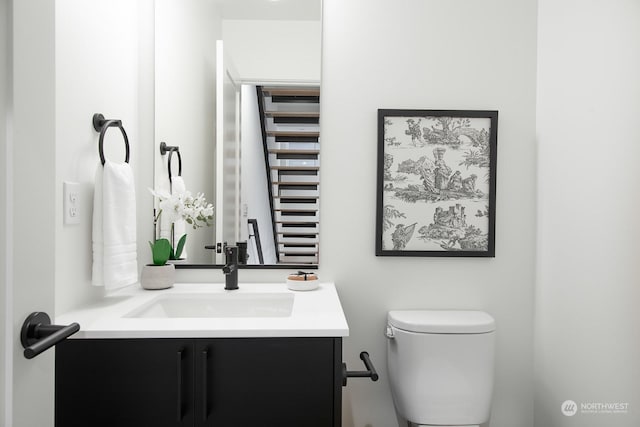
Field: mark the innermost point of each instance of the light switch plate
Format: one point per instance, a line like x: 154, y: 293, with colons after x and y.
x: 71, y: 202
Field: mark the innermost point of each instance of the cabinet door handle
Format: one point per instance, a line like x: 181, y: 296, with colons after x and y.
x: 179, y: 372
x: 205, y: 385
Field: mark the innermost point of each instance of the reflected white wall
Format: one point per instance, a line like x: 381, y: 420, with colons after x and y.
x: 270, y: 50
x: 255, y: 188
x: 185, y: 110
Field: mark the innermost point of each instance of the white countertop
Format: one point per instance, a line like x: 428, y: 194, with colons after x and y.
x: 315, y: 313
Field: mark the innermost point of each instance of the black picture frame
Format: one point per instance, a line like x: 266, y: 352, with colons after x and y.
x: 436, y: 183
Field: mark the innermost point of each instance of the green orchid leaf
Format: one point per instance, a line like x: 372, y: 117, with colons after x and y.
x: 180, y: 246
x: 161, y: 251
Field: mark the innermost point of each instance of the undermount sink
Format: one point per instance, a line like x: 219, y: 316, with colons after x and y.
x: 216, y: 306
x: 206, y: 310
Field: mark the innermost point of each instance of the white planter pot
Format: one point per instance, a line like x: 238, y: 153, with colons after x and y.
x: 158, y: 276
x: 177, y: 261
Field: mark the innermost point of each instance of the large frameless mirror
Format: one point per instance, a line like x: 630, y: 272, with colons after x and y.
x: 237, y: 91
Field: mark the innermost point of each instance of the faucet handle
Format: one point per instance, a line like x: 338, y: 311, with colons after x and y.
x: 231, y: 268
x: 231, y: 251
x: 231, y: 256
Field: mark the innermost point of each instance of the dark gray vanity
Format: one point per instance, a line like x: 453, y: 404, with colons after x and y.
x: 225, y: 382
x: 199, y: 355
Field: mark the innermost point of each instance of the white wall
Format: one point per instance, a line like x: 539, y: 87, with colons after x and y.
x: 586, y: 339
x: 4, y: 164
x: 395, y: 56
x: 185, y: 109
x: 253, y: 174
x: 587, y: 335
x: 104, y: 64
x: 33, y: 253
x: 273, y: 50
x: 418, y: 54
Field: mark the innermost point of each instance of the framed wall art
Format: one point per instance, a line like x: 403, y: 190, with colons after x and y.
x: 436, y: 183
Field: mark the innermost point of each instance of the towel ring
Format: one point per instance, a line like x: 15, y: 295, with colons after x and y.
x: 164, y: 148
x: 100, y: 124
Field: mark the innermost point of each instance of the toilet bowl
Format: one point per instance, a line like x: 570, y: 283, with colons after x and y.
x: 441, y: 366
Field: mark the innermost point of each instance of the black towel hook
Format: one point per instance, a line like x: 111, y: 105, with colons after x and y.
x: 164, y: 149
x: 100, y: 124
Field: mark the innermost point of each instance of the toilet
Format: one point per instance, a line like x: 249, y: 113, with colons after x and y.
x: 441, y: 366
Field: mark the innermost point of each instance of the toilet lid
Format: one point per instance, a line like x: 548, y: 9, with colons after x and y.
x: 442, y: 321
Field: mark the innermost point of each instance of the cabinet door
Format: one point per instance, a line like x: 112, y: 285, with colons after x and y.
x: 124, y: 383
x: 270, y: 382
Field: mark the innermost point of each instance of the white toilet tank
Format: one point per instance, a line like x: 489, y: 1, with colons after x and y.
x: 441, y: 365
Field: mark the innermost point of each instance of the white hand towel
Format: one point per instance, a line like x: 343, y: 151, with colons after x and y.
x: 179, y: 227
x: 163, y: 187
x: 114, y: 227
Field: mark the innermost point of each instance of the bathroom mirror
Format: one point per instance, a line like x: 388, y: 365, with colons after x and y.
x: 242, y: 72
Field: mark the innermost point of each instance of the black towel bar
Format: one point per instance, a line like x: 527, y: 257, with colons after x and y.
x: 100, y: 124
x: 164, y: 149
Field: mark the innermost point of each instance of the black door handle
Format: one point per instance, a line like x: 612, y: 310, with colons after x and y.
x: 38, y: 334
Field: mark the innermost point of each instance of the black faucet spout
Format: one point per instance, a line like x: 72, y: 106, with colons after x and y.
x: 230, y: 269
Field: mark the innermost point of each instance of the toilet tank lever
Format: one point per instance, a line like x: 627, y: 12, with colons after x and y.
x: 369, y: 373
x: 388, y: 332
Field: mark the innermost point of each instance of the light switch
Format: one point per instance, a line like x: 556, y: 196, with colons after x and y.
x: 71, y: 202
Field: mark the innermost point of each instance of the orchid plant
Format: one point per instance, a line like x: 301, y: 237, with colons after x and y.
x: 195, y: 211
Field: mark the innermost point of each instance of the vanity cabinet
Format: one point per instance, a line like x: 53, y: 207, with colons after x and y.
x: 222, y: 382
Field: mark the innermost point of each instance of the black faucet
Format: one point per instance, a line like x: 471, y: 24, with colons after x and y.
x: 230, y: 269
